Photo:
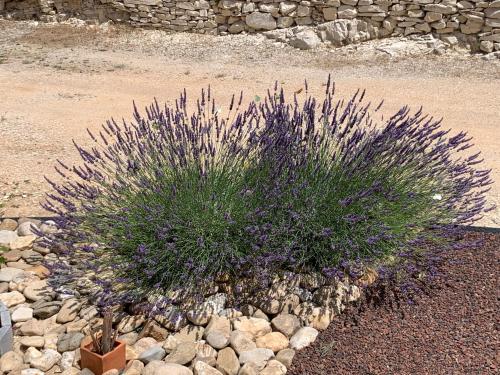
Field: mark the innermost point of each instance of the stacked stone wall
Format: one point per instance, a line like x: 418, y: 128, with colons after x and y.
x: 473, y: 22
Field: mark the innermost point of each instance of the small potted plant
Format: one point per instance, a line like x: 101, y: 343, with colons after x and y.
x: 102, y: 352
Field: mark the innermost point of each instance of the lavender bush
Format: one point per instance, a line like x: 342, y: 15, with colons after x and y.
x: 179, y: 197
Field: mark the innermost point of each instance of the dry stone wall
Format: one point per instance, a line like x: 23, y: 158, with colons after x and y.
x: 473, y: 22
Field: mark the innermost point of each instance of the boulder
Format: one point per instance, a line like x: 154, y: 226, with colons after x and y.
x: 307, y: 39
x: 227, y: 362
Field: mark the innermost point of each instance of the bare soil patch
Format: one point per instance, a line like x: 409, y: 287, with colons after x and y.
x: 57, y: 80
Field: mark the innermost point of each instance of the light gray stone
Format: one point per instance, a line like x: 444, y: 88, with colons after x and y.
x: 8, y: 273
x: 227, y: 362
x: 69, y: 341
x: 307, y: 39
x: 258, y: 356
x: 303, y: 338
x: 152, y: 354
x: 47, y: 360
x: 261, y: 21
x: 12, y: 298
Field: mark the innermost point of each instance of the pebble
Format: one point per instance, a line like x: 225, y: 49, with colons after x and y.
x: 258, y: 356
x: 152, y: 354
x: 217, y: 339
x: 26, y: 229
x: 12, y: 256
x: 134, y: 367
x: 202, y: 368
x: 32, y: 327
x: 227, y: 362
x: 8, y: 273
x: 6, y: 237
x: 10, y: 361
x: 255, y: 326
x: 162, y: 368
x: 12, y: 298
x: 182, y: 354
x: 69, y: 341
x: 37, y: 290
x: 242, y: 341
x: 44, y: 310
x: 8, y: 225
x: 130, y: 323
x: 22, y: 242
x: 144, y: 344
x: 67, y: 360
x: 22, y: 314
x: 285, y: 356
x: 69, y: 311
x: 287, y: 324
x: 47, y: 360
x: 34, y: 341
x: 275, y: 341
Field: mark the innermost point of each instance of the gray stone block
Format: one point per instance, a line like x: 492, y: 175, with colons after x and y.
x: 5, y: 330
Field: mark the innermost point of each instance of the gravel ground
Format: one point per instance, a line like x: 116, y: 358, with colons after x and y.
x: 452, y: 329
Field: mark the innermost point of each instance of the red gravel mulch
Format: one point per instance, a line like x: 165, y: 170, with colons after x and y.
x: 452, y: 329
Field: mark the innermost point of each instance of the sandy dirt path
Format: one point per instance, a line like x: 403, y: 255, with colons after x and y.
x: 53, y: 88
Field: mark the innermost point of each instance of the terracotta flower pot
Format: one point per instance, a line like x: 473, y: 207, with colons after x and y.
x: 99, y: 364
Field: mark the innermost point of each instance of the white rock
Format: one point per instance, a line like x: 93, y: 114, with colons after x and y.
x: 303, y: 337
x: 12, y: 298
x: 255, y: 326
x: 32, y: 371
x: 25, y: 229
x: 201, y: 368
x: 6, y: 237
x: 258, y: 356
x: 9, y: 273
x: 47, y: 360
x: 67, y: 360
x: 162, y: 368
x: 22, y: 314
x: 30, y: 354
x: 274, y: 368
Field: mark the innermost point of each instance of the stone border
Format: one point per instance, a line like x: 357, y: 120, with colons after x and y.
x: 211, y: 337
